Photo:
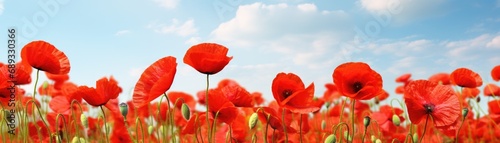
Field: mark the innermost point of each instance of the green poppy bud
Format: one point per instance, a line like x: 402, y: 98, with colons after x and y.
x: 378, y: 141
x: 331, y: 139
x: 373, y: 138
x: 415, y: 138
x: 253, y: 120
x: 396, y: 120
x: 75, y: 139
x: 186, y: 113
x: 124, y: 109
x: 323, y: 125
x: 465, y: 111
x: 366, y: 121
x: 150, y: 129
x: 84, y: 120
x: 45, y: 85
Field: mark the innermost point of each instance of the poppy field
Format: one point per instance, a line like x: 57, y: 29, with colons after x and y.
x: 443, y: 108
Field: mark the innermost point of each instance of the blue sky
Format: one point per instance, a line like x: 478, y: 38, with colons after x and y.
x: 310, y: 38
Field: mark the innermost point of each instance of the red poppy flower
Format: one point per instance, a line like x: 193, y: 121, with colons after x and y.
x: 495, y: 73
x: 357, y: 80
x: 58, y: 79
x: 22, y: 73
x: 331, y: 93
x: 154, y: 81
x: 44, y: 56
x: 238, y: 95
x: 424, y: 98
x: 466, y: 78
x: 382, y: 95
x: 221, y: 107
x: 207, y: 58
x: 257, y: 98
x: 491, y: 90
x: 403, y: 78
x: 384, y: 118
x: 470, y: 92
x: 443, y: 78
x: 105, y: 90
x: 290, y: 93
x: 176, y: 95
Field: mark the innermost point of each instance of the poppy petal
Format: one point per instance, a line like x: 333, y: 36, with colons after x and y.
x: 44, y: 56
x: 154, y: 81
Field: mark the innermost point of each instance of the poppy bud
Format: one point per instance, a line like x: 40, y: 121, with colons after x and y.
x: 186, y: 113
x: 150, y: 129
x: 465, y: 111
x: 347, y: 137
x: 415, y: 138
x: 253, y: 120
x: 45, y: 85
x: 75, y: 139
x: 366, y: 121
x: 327, y: 104
x: 478, y: 99
x: 373, y: 138
x: 331, y: 139
x: 396, y: 120
x: 323, y: 124
x: 124, y: 109
x: 378, y: 141
x: 84, y: 120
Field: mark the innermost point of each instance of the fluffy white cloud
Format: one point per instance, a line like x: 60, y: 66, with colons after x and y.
x: 301, y: 33
x: 185, y: 28
x: 122, y: 32
x: 404, y: 10
x: 1, y: 7
x: 494, y: 43
x: 169, y: 4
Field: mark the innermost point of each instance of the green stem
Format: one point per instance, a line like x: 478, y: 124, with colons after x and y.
x: 206, y: 115
x: 105, y: 126
x: 364, y: 134
x: 267, y: 126
x: 458, y: 130
x: 284, y: 125
x: 352, y: 117
x: 300, y: 128
x: 425, y: 128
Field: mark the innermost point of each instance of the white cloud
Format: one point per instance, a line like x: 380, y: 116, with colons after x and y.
x: 185, y: 28
x: 193, y: 40
x: 169, y: 4
x: 136, y: 72
x: 402, y: 11
x: 122, y: 32
x: 299, y: 33
x: 307, y: 7
x: 494, y: 43
x: 1, y: 7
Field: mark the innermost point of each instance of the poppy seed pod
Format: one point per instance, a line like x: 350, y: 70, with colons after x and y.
x: 331, y: 139
x: 253, y: 120
x: 366, y: 121
x: 186, y: 113
x: 396, y: 120
x: 84, y: 120
x: 124, y: 109
x: 415, y: 138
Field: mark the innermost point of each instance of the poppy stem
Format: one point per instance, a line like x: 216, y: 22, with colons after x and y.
x: 284, y: 125
x: 105, y: 126
x: 206, y: 115
x: 36, y: 82
x: 300, y: 128
x: 425, y: 128
x: 267, y: 126
x: 352, y: 116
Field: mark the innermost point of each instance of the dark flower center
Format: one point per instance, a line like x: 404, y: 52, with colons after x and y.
x: 429, y: 108
x: 287, y: 93
x: 357, y: 86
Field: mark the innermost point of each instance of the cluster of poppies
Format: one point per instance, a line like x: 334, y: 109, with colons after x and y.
x: 443, y: 108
